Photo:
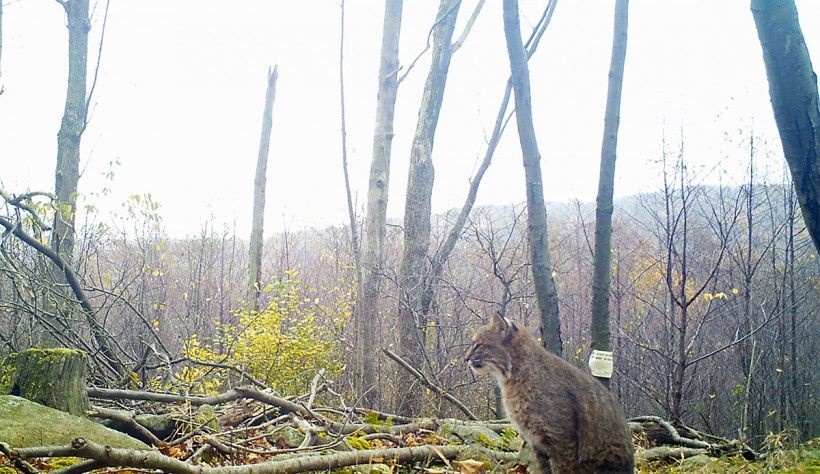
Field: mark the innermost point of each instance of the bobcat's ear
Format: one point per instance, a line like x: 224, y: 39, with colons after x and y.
x: 502, y: 323
x: 499, y: 322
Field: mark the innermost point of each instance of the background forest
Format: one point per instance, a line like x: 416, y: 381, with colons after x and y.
x: 713, y: 277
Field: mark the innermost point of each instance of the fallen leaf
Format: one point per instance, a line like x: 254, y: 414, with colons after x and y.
x: 468, y: 466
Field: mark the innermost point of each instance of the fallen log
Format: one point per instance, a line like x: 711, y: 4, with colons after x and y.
x: 128, y: 458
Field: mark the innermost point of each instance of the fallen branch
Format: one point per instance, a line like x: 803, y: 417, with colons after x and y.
x: 661, y: 453
x: 435, y: 388
x: 126, y: 418
x: 119, y: 457
x: 674, y: 436
x: 285, y: 406
x: 17, y: 461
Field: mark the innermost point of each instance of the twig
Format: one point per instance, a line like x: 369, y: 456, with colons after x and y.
x: 435, y: 388
x: 314, y: 384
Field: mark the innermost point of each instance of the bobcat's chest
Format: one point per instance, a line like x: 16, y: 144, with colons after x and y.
x: 520, y: 404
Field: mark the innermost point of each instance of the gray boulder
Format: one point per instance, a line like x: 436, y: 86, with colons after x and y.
x: 24, y: 423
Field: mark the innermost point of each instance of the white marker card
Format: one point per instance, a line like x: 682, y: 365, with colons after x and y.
x: 600, y: 364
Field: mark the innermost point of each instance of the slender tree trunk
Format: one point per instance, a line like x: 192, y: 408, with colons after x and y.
x: 536, y: 208
x: 417, y: 209
x: 1, y: 47
x: 354, y: 234
x: 606, y: 185
x: 67, y: 172
x: 440, y: 259
x: 793, y: 92
x: 376, y: 220
x: 259, y: 184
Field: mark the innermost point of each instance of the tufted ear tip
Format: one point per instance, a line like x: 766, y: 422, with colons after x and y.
x: 499, y: 321
x: 503, y: 323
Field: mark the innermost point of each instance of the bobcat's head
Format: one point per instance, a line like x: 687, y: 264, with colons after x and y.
x: 489, y: 353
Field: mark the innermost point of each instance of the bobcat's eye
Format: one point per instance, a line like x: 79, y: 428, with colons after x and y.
x: 472, y: 350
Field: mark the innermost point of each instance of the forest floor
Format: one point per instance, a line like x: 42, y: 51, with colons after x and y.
x: 802, y: 459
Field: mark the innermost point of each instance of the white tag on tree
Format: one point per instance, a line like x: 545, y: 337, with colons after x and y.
x: 600, y: 364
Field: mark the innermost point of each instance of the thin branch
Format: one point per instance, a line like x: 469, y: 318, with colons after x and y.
x: 97, y: 67
x: 428, y: 45
x: 435, y: 388
x: 469, y: 26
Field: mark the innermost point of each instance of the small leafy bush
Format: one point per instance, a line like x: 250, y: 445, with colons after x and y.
x: 283, y: 345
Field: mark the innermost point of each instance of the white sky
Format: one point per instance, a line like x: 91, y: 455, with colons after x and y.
x: 181, y: 88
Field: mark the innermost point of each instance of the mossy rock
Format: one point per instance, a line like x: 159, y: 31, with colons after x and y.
x: 8, y: 369
x: 287, y: 437
x: 376, y: 468
x: 472, y: 434
x: 24, y: 423
x: 696, y: 461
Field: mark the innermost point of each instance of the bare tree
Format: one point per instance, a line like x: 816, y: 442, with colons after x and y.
x: 502, y: 118
x: 73, y: 124
x: 793, y: 92
x: 377, y: 193
x: 259, y: 184
x: 600, y: 331
x: 417, y: 206
x: 536, y: 208
x: 1, y: 46
x: 354, y: 233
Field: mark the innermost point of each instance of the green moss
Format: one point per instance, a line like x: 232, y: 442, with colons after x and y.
x: 8, y: 369
x: 59, y: 463
x: 357, y: 442
x: 24, y: 424
x: 52, y: 377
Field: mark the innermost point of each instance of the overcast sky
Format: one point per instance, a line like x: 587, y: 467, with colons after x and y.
x: 181, y: 88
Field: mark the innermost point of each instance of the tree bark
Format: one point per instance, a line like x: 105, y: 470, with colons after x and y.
x: 793, y: 92
x: 259, y: 185
x: 417, y: 209
x: 376, y: 220
x: 51, y: 377
x: 536, y: 208
x: 606, y: 184
x: 67, y: 172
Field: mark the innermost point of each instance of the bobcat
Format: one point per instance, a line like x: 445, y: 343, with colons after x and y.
x: 571, y: 420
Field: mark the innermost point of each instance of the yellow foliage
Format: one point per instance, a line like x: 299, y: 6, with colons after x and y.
x: 283, y: 345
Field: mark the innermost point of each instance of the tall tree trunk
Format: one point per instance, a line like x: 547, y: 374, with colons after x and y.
x: 793, y: 92
x: 606, y: 185
x: 259, y: 184
x: 443, y: 254
x: 536, y: 208
x: 417, y: 209
x: 354, y: 234
x: 1, y: 47
x: 67, y: 172
x: 377, y: 193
